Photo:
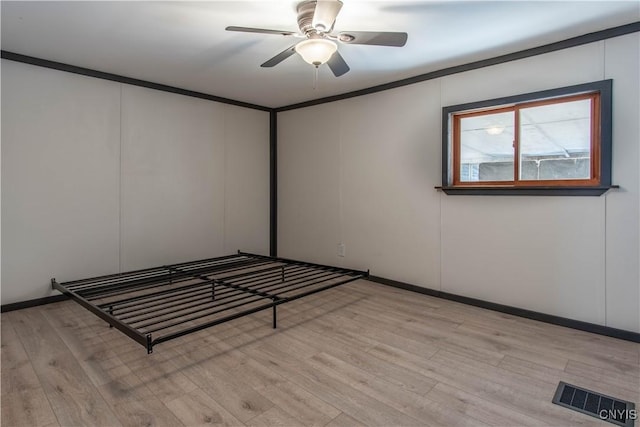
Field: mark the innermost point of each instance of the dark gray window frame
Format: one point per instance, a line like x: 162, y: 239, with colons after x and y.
x: 604, y: 87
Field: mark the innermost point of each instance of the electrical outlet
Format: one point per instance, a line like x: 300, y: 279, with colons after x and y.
x: 342, y: 249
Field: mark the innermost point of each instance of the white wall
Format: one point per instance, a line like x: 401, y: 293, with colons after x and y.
x: 366, y: 179
x: 361, y: 177
x: 172, y: 178
x: 309, y: 184
x: 100, y: 177
x: 246, y: 184
x: 60, y: 151
x: 622, y: 63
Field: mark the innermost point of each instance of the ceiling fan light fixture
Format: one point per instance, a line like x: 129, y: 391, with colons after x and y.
x: 316, y: 19
x: 316, y: 51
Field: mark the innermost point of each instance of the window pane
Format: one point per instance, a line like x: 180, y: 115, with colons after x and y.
x: 486, y: 147
x: 555, y: 141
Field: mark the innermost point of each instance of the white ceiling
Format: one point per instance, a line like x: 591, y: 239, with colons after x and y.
x: 184, y: 44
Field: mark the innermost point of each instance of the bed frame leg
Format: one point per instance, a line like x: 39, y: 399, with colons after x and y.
x: 149, y: 344
x: 111, y: 313
x: 274, y: 317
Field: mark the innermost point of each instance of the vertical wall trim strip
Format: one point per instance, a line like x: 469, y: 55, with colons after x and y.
x: 120, y: 159
x: 273, y: 183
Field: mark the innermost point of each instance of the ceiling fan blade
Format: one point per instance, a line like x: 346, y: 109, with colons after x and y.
x: 260, y: 31
x: 338, y: 65
x: 373, y: 38
x: 325, y: 14
x: 280, y: 57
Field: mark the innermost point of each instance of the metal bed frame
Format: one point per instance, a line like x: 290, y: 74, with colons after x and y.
x: 159, y: 304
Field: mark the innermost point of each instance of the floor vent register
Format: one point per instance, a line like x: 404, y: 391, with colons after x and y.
x: 616, y: 411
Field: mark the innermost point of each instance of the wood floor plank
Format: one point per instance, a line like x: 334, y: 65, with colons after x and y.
x: 166, y: 381
x: 395, y: 374
x: 17, y: 371
x: 241, y: 400
x: 19, y: 377
x: 152, y: 412
x: 344, y: 420
x: 465, y: 313
x: 539, y: 334
x: 302, y: 405
x: 136, y: 357
x: 199, y: 409
x: 336, y: 393
x: 429, y: 330
x: 377, y: 332
x: 629, y: 380
x: 350, y: 336
x: 255, y: 374
x: 573, y: 338
x: 89, y: 349
x: 274, y: 417
x: 407, y: 402
x: 26, y: 408
x: 128, y: 387
x: 353, y: 328
x: 524, y: 384
x: 396, y: 296
x: 72, y: 395
x: 402, y: 312
x: 294, y: 346
x: 569, y: 349
x: 499, y: 323
x: 447, y: 339
x: 515, y: 396
x: 479, y: 408
x: 583, y: 379
x: 11, y: 348
x: 34, y: 333
x: 134, y: 403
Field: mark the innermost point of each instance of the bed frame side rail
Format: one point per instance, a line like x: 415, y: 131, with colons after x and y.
x: 144, y: 340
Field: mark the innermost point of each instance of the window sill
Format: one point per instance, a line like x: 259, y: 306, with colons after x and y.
x: 526, y: 191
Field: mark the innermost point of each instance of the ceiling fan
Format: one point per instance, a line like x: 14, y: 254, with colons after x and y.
x: 316, y: 19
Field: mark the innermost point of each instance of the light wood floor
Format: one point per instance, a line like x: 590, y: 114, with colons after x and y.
x: 361, y: 354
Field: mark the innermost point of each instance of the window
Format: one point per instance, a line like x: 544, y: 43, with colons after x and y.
x: 531, y: 144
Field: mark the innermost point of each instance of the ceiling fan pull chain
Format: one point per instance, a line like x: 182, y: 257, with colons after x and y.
x: 315, y: 78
